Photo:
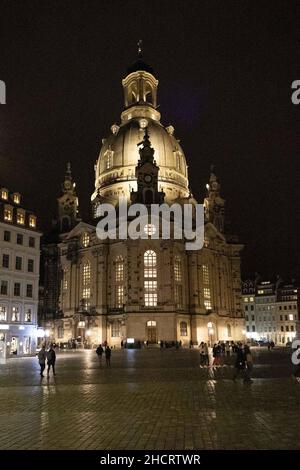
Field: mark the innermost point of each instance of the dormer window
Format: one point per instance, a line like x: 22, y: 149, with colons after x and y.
x: 4, y: 194
x: 16, y: 198
x: 20, y: 218
x: 108, y: 159
x: 8, y: 214
x: 32, y: 221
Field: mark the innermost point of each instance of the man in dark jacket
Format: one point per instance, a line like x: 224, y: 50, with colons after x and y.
x: 42, y: 360
x: 240, y: 362
x: 107, y: 355
x: 51, y: 358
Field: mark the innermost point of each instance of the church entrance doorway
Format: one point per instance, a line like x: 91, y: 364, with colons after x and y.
x: 151, y: 332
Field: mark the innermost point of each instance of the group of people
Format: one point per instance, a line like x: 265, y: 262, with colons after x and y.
x: 107, y: 352
x: 243, y: 360
x: 50, y: 356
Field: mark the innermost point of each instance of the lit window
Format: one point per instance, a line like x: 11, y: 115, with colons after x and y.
x: 246, y: 299
x: 119, y: 296
x: 3, y: 312
x: 65, y: 279
x: 4, y: 194
x: 150, y: 229
x: 108, y: 159
x: 177, y: 269
x: 119, y: 269
x: 150, y: 268
x: 32, y: 221
x: 291, y: 317
x: 183, y: 328
x: 8, y: 214
x: 115, y: 329
x: 28, y: 315
x: 85, y: 240
x: 251, y: 299
x: 86, y: 280
x: 86, y: 273
x: 206, y: 288
x: 150, y: 293
x: 20, y: 218
x: 15, y: 314
x: 150, y: 273
x: 86, y: 293
x: 16, y: 198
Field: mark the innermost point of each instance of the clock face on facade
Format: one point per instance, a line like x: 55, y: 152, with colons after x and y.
x: 68, y: 184
x: 148, y: 178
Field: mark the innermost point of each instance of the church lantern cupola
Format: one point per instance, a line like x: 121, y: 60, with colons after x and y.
x: 140, y: 85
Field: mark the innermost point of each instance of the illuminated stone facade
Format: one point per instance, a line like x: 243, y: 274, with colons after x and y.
x: 19, y: 277
x: 144, y: 290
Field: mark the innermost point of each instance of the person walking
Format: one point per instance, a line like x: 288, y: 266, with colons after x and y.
x: 107, y: 355
x: 99, y: 352
x: 216, y: 354
x: 51, y: 358
x: 249, y: 363
x: 42, y: 360
x: 240, y: 362
x: 201, y: 347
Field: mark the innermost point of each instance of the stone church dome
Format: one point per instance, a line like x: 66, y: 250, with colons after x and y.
x: 115, y: 168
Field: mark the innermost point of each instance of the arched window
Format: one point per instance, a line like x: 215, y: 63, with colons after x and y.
x: 206, y: 287
x: 183, y: 328
x: 86, y: 282
x: 119, y: 280
x: 178, y: 282
x: 119, y: 268
x: 65, y: 279
x: 150, y: 278
x: 229, y: 330
x: 85, y: 240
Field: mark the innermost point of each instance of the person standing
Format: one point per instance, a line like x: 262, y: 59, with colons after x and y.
x: 240, y: 362
x: 42, y: 360
x: 99, y: 352
x: 216, y: 354
x: 202, y: 354
x: 249, y: 363
x: 107, y: 355
x: 51, y: 358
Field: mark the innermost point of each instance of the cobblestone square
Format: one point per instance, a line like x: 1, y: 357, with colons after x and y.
x: 149, y: 399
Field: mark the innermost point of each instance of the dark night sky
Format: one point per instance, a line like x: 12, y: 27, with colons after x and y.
x: 225, y: 71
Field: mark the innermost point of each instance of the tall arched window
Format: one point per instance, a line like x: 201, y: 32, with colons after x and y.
x: 229, y: 330
x: 206, y: 287
x: 86, y: 282
x: 178, y: 282
x: 119, y: 281
x: 150, y: 278
x: 65, y: 279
